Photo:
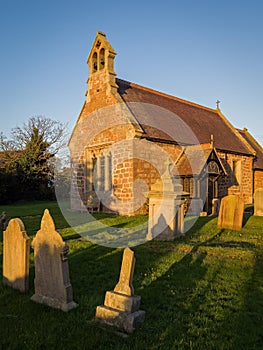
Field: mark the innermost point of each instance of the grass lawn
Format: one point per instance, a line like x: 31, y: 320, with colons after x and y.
x: 201, y: 291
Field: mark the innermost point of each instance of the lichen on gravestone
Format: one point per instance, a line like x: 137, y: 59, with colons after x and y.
x: 231, y: 213
x: 121, y: 306
x: 124, y: 286
x: 52, y: 283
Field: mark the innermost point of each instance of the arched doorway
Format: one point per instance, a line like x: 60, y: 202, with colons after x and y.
x: 213, y: 172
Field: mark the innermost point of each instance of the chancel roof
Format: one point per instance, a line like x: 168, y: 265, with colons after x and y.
x: 194, y: 159
x: 168, y: 118
x: 258, y: 164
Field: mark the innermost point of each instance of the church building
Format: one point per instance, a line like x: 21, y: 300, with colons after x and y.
x: 126, y: 132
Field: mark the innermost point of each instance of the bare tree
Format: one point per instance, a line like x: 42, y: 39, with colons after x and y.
x: 6, y: 145
x: 28, y: 158
x: 53, y: 132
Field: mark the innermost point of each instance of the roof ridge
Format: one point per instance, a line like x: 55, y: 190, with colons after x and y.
x: 236, y: 132
x: 251, y: 138
x: 168, y: 95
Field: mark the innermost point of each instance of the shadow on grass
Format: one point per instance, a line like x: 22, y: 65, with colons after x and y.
x: 246, y: 217
x: 249, y: 320
x: 192, y: 301
x: 201, y: 303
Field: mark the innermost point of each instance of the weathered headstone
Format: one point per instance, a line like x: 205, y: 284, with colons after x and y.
x: 215, y: 206
x: 4, y: 220
x: 124, y: 286
x: 16, y: 248
x: 258, y: 202
x: 231, y: 213
x: 121, y: 306
x: 52, y: 283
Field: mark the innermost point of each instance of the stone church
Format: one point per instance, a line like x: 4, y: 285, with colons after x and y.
x: 126, y: 132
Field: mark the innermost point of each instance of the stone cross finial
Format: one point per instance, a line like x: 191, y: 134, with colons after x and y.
x: 124, y: 286
x: 217, y: 104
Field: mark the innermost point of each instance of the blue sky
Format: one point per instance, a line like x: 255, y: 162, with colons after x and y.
x: 197, y: 50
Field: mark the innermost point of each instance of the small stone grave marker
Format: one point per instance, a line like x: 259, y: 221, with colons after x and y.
x: 231, y: 213
x: 215, y: 206
x: 121, y: 306
x: 16, y: 248
x: 52, y: 283
x: 124, y: 286
x: 258, y: 202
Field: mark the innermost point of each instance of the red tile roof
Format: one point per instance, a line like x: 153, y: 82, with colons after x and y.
x: 169, y: 118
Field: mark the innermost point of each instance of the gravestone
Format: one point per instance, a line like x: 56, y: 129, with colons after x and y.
x: 166, y: 208
x: 16, y: 248
x: 121, y: 306
x: 4, y: 220
x: 52, y: 284
x: 215, y: 206
x: 258, y: 202
x: 231, y: 213
x: 196, y: 206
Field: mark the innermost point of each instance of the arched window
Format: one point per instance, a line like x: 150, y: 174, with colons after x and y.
x: 237, y: 171
x: 95, y: 62
x: 213, y: 168
x: 102, y: 173
x: 102, y: 58
x: 108, y: 172
x: 93, y: 173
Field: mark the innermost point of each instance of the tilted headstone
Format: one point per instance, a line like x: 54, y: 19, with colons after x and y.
x: 16, y: 249
x: 258, y: 202
x: 52, y: 283
x: 231, y: 213
x: 121, y: 306
x: 124, y: 286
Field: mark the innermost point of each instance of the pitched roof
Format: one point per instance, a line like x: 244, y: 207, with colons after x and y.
x: 258, y: 164
x: 179, y: 119
x: 193, y: 159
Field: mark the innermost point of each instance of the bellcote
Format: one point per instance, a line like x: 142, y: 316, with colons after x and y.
x: 101, y: 66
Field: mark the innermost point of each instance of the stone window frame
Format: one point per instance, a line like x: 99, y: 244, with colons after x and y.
x: 98, y: 170
x: 237, y: 171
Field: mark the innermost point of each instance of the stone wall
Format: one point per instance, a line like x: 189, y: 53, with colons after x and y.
x: 258, y: 179
x: 240, y: 183
x: 95, y: 133
x: 136, y: 163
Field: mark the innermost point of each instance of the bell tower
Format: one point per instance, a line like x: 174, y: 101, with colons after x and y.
x: 102, y: 78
